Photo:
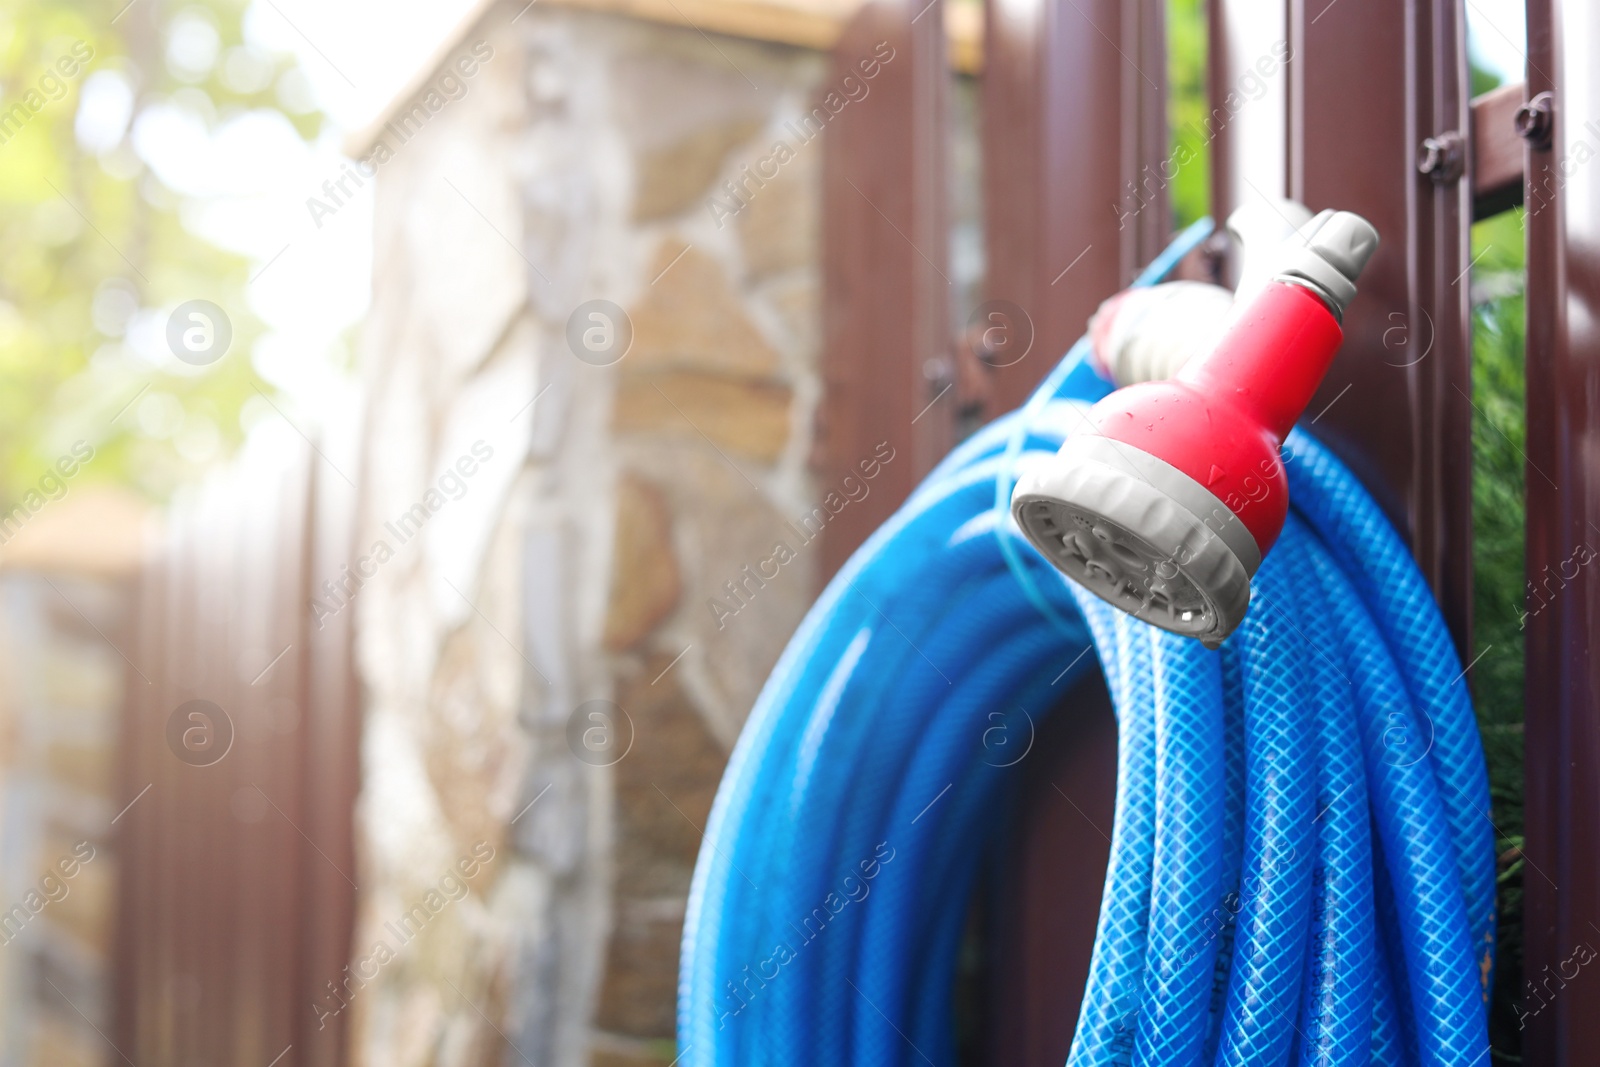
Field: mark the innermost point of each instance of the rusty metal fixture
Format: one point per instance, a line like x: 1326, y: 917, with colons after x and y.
x: 1443, y: 158
x: 1535, y: 121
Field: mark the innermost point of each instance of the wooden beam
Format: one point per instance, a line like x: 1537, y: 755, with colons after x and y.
x: 1496, y: 151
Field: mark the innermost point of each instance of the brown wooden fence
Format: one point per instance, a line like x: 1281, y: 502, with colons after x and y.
x: 1355, y: 104
x: 238, y: 885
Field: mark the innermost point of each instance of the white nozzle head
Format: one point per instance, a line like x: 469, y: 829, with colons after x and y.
x: 1141, y: 535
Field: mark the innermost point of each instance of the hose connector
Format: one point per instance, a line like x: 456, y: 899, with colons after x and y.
x: 1328, y: 257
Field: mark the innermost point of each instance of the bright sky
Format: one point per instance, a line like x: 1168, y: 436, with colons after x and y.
x: 1497, y: 36
x: 246, y: 180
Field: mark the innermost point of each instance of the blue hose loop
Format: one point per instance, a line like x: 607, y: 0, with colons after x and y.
x: 1189, y: 876
x: 1447, y: 1006
x: 1341, y: 963
x: 1378, y: 564
x: 1280, y: 780
x: 1301, y: 867
x: 1108, y: 1023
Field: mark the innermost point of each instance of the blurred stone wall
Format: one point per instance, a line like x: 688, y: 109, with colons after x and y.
x: 555, y: 505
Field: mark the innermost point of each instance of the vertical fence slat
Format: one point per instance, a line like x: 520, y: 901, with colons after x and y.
x: 275, y: 852
x: 329, y: 742
x: 1562, y: 883
x: 1043, y: 919
x: 885, y: 281
x: 132, y: 972
x: 1076, y: 166
x: 1358, y: 95
x: 1076, y: 182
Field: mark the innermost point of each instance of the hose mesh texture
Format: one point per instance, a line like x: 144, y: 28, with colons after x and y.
x: 1302, y: 866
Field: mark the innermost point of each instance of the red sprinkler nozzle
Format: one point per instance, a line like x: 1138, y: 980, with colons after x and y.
x: 1165, y: 507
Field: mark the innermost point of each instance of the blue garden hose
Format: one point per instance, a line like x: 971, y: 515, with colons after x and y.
x: 1304, y: 811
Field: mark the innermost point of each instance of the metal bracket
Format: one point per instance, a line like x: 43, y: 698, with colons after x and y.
x: 1535, y: 121
x: 1443, y: 158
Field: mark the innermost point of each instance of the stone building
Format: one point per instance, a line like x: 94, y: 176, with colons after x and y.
x: 585, y: 529
x: 596, y: 289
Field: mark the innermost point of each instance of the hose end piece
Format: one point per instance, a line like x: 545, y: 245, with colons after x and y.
x: 1328, y: 256
x: 1166, y: 503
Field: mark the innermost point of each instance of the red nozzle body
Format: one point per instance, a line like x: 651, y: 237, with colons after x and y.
x: 1222, y: 420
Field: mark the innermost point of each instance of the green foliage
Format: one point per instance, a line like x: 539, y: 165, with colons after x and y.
x: 1481, y: 80
x: 1186, y: 110
x: 1498, y: 507
x: 95, y: 243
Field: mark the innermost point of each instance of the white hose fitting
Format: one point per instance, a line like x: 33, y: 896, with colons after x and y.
x: 1147, y: 335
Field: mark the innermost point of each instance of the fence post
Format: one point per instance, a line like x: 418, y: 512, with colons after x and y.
x: 1561, y: 890
x: 886, y: 299
x: 1076, y: 165
x: 1076, y: 200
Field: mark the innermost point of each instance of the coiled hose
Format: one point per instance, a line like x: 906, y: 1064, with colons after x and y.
x: 1302, y: 864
